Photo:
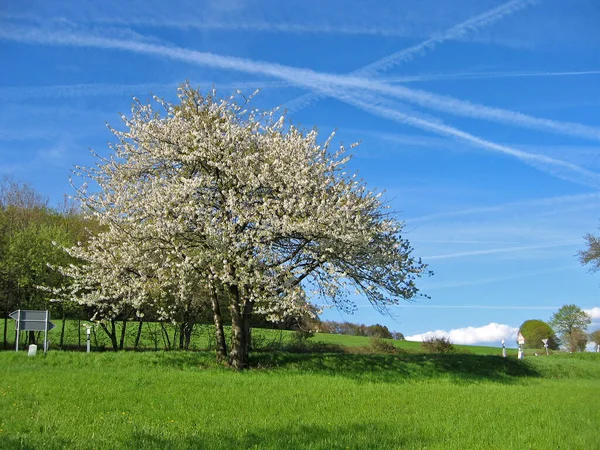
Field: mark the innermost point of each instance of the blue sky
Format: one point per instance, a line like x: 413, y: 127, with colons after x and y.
x: 480, y: 119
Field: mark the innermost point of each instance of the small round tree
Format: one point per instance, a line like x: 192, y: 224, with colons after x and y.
x: 534, y: 331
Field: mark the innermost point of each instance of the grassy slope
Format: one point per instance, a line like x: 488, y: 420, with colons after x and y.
x: 184, y: 400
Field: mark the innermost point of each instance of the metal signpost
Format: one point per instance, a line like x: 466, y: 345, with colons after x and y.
x: 521, y: 342
x: 30, y: 320
x: 503, y: 349
x: 545, y: 341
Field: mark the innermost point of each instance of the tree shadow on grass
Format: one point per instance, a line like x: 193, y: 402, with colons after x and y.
x: 404, y: 367
x: 457, y: 367
x: 353, y: 436
x: 32, y: 442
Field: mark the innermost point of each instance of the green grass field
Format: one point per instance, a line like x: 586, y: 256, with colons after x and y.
x: 177, y: 400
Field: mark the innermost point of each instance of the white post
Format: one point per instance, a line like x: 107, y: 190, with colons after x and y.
x: 46, y: 333
x: 88, y: 339
x: 521, y: 342
x: 503, y: 349
x: 17, y: 329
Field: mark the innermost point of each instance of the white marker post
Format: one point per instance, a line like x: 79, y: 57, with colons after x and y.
x: 545, y: 341
x: 17, y: 327
x: 46, y: 332
x: 503, y: 349
x: 88, y: 331
x: 521, y: 342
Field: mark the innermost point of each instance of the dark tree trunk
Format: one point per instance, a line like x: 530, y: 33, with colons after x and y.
x: 219, y: 334
x: 182, y: 327
x: 112, y: 334
x: 241, y: 312
x: 123, y: 330
x: 139, y: 335
x: 166, y: 339
x: 78, y: 331
x: 62, y: 328
x: 188, y: 335
x: 31, y: 337
x: 185, y: 334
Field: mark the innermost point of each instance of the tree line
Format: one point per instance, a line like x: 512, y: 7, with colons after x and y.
x: 354, y: 329
x: 566, y: 327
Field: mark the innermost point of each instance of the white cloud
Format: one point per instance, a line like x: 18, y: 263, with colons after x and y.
x: 594, y: 313
x: 493, y: 332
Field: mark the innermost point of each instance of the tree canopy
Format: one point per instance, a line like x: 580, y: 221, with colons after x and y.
x: 570, y: 321
x: 208, y: 194
x: 534, y: 331
x: 591, y: 255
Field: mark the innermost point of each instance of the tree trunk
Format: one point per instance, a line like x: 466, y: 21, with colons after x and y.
x: 240, y: 330
x: 139, y: 335
x: 123, y: 330
x: 181, y: 334
x: 219, y: 334
x: 112, y: 334
x: 78, y: 331
x: 188, y: 335
x: 166, y: 339
x: 62, y: 329
x: 185, y: 334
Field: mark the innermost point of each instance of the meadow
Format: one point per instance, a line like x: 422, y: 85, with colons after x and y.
x: 413, y: 400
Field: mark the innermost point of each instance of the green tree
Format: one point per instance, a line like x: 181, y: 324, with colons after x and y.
x: 569, y: 321
x: 534, y: 331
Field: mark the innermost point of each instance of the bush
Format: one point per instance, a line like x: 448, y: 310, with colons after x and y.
x: 378, y: 345
x: 437, y: 345
x: 301, y: 343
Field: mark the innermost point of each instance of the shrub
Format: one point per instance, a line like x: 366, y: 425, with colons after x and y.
x: 437, y: 345
x: 379, y: 345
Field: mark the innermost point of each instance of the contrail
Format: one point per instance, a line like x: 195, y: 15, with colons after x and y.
x: 199, y: 23
x: 556, y: 167
x: 468, y: 26
x: 101, y: 89
x: 483, y: 75
x: 325, y: 83
x: 530, y: 203
x: 328, y: 84
x: 498, y: 250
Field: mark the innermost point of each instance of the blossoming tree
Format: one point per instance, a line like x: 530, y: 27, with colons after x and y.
x: 210, y: 192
